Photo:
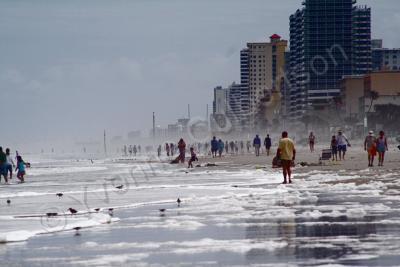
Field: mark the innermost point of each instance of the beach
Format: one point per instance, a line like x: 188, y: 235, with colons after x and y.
x: 234, y: 212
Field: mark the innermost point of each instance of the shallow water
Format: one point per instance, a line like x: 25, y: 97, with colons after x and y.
x: 229, y: 216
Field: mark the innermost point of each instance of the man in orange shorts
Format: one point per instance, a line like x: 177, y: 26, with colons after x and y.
x: 370, y: 147
x: 287, y: 154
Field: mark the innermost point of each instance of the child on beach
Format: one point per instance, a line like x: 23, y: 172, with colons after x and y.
x: 334, y: 148
x: 193, y: 157
x: 20, y: 168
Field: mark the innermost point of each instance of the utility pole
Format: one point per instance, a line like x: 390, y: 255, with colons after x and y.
x: 105, y: 146
x: 189, y: 111
x: 154, y: 128
x: 207, y: 115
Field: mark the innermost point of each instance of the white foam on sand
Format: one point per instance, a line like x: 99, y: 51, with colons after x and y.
x: 65, y: 225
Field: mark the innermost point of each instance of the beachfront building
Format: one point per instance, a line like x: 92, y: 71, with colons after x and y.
x: 365, y: 95
x: 220, y: 103
x: 329, y: 39
x: 262, y: 66
x: 385, y: 58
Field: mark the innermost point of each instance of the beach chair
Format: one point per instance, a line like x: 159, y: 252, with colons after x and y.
x: 326, y: 155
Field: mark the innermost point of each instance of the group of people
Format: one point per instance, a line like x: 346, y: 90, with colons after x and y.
x: 7, y: 165
x: 374, y: 145
x: 132, y: 150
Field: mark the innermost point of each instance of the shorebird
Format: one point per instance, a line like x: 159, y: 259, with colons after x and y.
x: 97, y: 209
x: 120, y: 186
x: 162, y: 210
x: 73, y: 211
x: 179, y: 202
x: 77, y: 231
x: 111, y: 211
x: 59, y: 195
x: 8, y: 201
x: 50, y: 214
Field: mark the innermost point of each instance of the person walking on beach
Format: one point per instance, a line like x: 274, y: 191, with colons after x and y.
x: 334, y: 148
x: 248, y: 146
x: 135, y: 150
x: 21, y: 169
x: 242, y: 147
x: 182, y: 150
x: 9, y: 163
x: 342, y: 142
x: 236, y: 147
x: 232, y: 147
x: 221, y: 147
x: 3, y: 168
x: 311, y: 141
x: 370, y: 147
x: 287, y: 154
x: 167, y: 149
x: 381, y: 147
x: 214, y: 147
x: 267, y: 144
x: 159, y: 151
x: 226, y: 147
x: 257, y: 145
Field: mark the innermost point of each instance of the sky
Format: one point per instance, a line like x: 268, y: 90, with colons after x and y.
x: 71, y: 68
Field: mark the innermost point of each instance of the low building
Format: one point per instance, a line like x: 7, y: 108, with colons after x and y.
x: 357, y: 91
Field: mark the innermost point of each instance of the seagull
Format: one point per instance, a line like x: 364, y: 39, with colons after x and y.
x: 120, y: 186
x: 73, y: 211
x: 178, y: 201
x: 161, y: 210
x: 111, y: 211
x: 96, y: 209
x: 77, y: 231
x: 59, y: 195
x: 8, y: 201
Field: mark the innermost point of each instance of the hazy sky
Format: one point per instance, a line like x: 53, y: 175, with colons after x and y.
x: 72, y: 68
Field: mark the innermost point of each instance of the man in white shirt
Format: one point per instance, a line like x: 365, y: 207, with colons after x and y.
x: 342, y: 143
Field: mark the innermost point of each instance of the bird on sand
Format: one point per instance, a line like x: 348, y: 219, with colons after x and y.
x: 73, y: 211
x: 8, y: 201
x: 111, y: 211
x: 97, y: 209
x: 162, y: 210
x: 179, y: 202
x: 120, y: 186
x: 59, y: 195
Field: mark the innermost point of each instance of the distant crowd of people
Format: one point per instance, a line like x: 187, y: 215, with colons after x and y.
x: 7, y: 165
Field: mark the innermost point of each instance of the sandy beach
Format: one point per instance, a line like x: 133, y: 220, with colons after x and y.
x: 234, y: 212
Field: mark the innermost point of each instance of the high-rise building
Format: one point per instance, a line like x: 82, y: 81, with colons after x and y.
x: 362, y: 54
x: 384, y: 58
x: 262, y: 66
x: 328, y: 40
x: 220, y: 103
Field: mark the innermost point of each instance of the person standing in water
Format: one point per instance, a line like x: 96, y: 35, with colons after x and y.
x: 3, y: 168
x: 287, y: 154
x: 267, y: 144
x: 21, y: 169
x: 167, y: 149
x: 381, y: 147
x: 311, y: 141
x: 182, y: 150
x: 370, y: 147
x: 193, y: 157
x: 9, y: 163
